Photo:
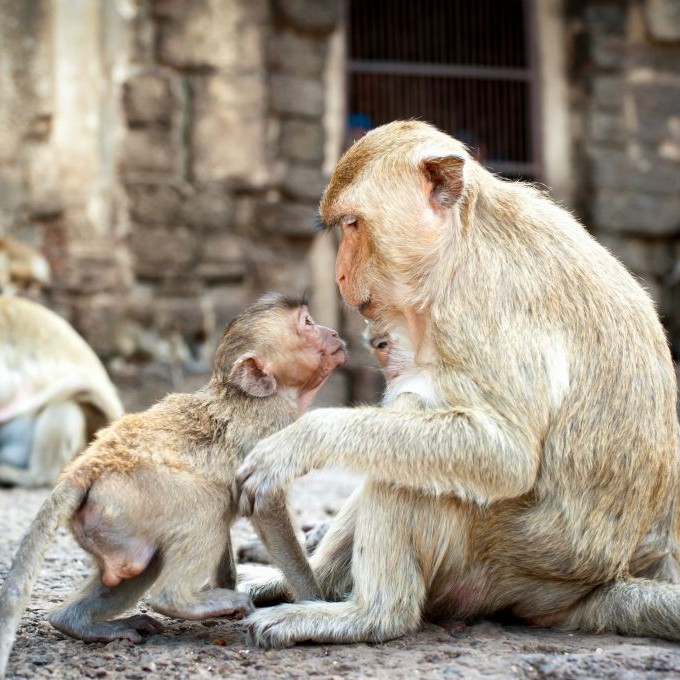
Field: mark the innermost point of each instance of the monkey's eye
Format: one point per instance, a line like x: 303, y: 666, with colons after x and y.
x: 309, y: 321
x: 349, y: 221
x: 381, y: 345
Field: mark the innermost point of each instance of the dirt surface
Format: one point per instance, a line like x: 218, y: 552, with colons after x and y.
x: 218, y: 648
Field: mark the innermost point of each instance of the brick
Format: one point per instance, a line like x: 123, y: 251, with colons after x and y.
x: 608, y: 92
x: 303, y: 140
x: 303, y: 182
x: 296, y: 95
x: 209, y: 206
x: 228, y: 130
x: 606, y: 19
x: 222, y: 258
x: 211, y: 34
x: 637, y: 213
x: 154, y: 203
x: 663, y: 19
x: 148, y: 99
x: 149, y: 152
x: 295, y: 54
x: 160, y: 252
x: 310, y: 15
x: 289, y: 219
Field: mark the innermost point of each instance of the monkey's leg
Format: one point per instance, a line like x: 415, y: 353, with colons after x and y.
x: 632, y: 606
x: 54, y: 436
x: 389, y: 587
x: 226, y: 568
x: 86, y: 616
x: 277, y: 533
x: 331, y: 562
x: 59, y: 435
x: 188, y: 564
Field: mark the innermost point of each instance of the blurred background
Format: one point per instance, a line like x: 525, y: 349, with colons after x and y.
x: 167, y: 156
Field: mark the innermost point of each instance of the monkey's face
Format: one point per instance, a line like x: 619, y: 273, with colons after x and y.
x: 315, y: 351
x: 391, y: 197
x: 390, y: 349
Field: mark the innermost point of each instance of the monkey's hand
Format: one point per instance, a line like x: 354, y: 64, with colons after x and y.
x: 268, y: 470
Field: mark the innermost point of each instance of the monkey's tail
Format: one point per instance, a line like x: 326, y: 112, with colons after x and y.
x: 632, y: 606
x: 64, y: 500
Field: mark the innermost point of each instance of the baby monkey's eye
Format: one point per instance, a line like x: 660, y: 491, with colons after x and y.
x: 309, y: 321
x: 382, y: 344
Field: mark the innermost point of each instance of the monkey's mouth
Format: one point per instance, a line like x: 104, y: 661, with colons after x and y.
x: 340, y: 353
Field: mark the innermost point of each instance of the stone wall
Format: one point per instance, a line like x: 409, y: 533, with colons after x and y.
x: 625, y: 86
x: 167, y: 156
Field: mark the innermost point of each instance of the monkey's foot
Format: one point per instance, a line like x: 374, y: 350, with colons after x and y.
x: 275, y: 628
x: 265, y: 586
x: 325, y: 622
x: 129, y: 628
x: 207, y: 604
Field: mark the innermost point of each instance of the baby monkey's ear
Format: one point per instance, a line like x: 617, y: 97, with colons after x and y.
x: 253, y: 376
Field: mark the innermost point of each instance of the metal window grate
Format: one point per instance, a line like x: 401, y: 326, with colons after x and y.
x: 466, y: 67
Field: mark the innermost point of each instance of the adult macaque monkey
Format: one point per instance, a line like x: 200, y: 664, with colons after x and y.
x: 54, y: 393
x: 543, y: 479
x: 151, y: 499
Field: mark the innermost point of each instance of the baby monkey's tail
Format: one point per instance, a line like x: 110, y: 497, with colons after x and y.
x: 64, y: 500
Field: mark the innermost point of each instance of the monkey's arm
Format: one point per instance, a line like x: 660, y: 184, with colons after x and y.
x: 471, y: 453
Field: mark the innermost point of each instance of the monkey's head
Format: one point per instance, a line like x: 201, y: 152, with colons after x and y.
x: 276, y: 344
x: 395, y: 196
x: 391, y: 349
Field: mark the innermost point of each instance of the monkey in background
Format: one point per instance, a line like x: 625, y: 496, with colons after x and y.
x: 543, y: 481
x: 151, y: 498
x: 54, y: 393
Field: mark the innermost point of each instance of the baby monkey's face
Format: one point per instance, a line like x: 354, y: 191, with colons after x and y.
x: 316, y: 351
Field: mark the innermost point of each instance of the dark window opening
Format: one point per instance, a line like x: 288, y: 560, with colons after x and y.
x: 466, y: 67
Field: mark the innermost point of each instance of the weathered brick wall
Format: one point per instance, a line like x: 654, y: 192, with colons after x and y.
x: 167, y: 156
x: 222, y: 156
x: 626, y: 101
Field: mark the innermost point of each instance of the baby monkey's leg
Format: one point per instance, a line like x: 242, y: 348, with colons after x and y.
x: 189, y: 560
x: 180, y: 590
x: 87, y: 615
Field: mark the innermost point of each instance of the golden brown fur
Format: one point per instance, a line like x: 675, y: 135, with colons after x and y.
x: 541, y: 479
x: 152, y: 498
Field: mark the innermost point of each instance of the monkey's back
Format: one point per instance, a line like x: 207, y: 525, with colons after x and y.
x: 587, y: 371
x: 202, y: 432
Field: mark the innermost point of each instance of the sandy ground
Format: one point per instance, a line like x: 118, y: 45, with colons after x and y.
x: 218, y: 648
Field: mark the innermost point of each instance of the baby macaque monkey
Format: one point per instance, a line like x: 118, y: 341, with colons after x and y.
x: 152, y: 499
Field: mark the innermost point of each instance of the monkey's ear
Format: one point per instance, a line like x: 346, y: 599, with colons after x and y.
x: 253, y: 376
x: 445, y: 176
